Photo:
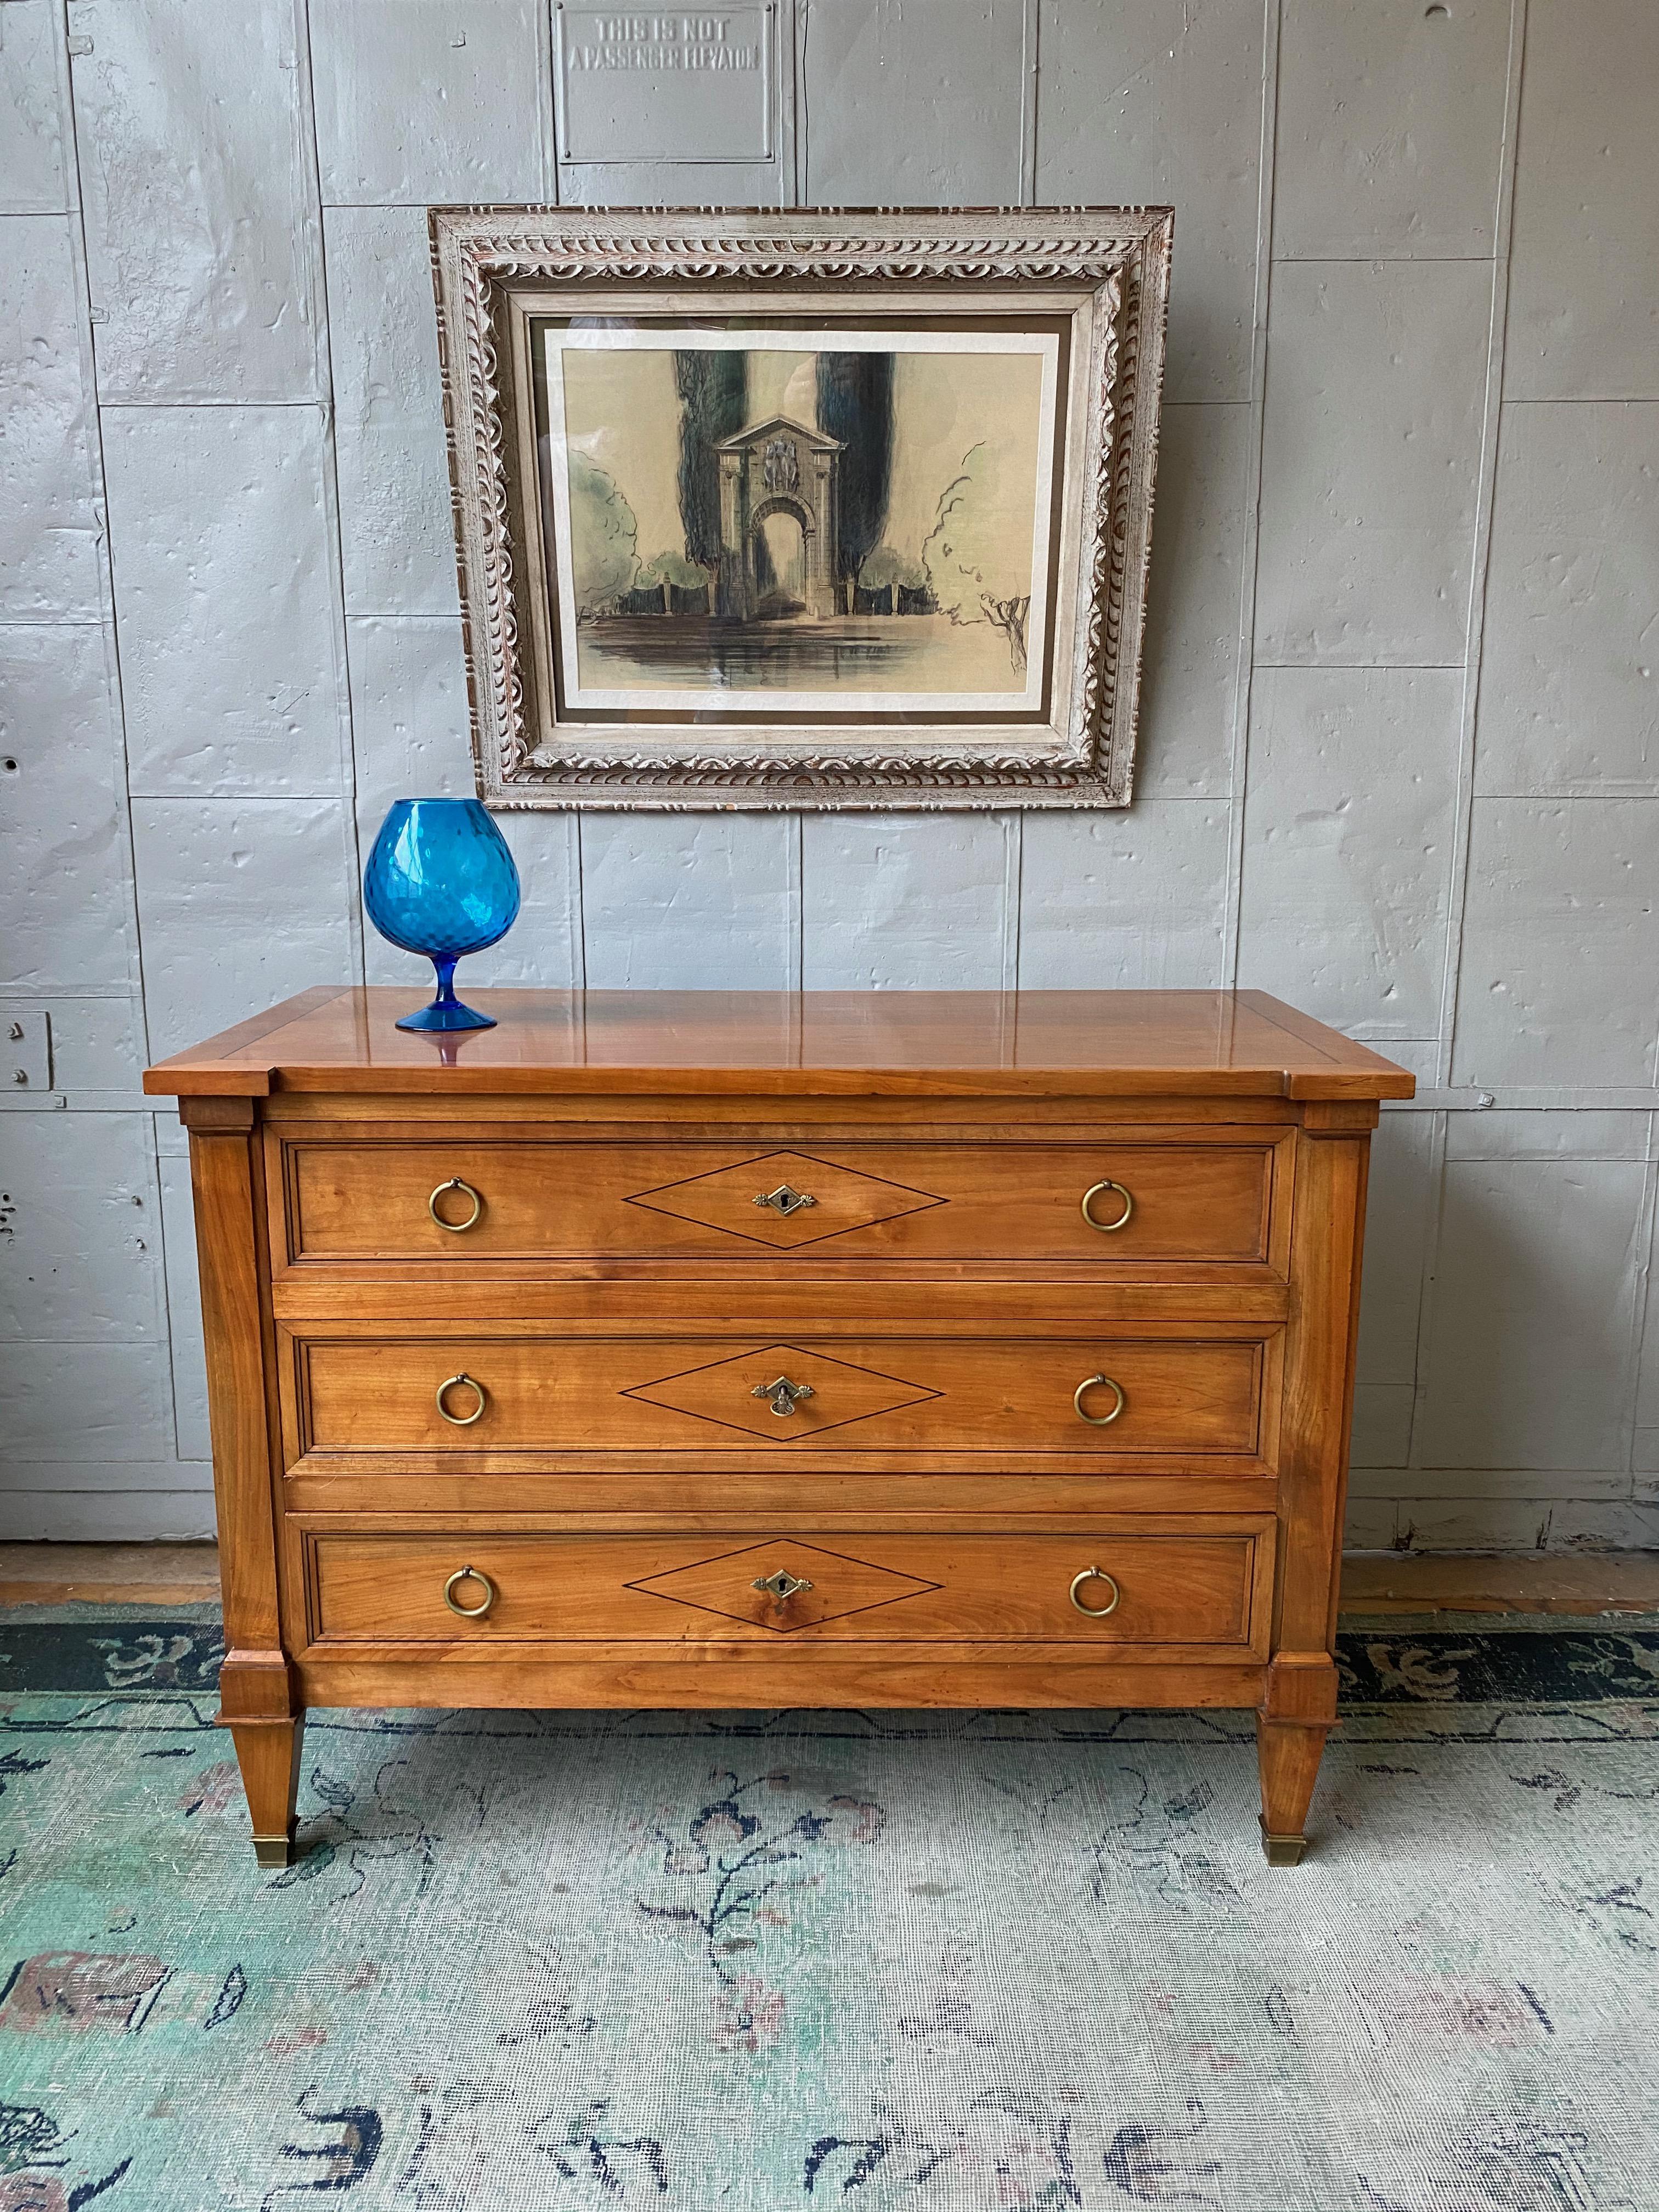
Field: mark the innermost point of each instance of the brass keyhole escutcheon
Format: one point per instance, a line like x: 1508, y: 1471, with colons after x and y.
x: 1094, y: 1190
x: 781, y: 1585
x: 785, y: 1200
x: 1104, y: 1382
x: 784, y: 1394
x: 455, y: 1228
x: 455, y: 1383
x: 1096, y: 1575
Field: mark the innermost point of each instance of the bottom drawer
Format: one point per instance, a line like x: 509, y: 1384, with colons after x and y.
x: 1206, y: 1583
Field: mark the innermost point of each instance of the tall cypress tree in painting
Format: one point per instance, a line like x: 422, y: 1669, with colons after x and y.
x: 855, y: 404
x: 712, y: 389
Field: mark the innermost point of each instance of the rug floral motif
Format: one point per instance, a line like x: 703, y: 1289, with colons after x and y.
x: 886, y: 1962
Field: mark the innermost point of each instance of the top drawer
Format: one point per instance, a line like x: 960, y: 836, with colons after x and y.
x: 345, y: 1198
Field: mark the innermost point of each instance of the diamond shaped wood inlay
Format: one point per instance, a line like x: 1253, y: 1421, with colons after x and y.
x: 839, y: 1585
x: 814, y: 1199
x: 837, y: 1392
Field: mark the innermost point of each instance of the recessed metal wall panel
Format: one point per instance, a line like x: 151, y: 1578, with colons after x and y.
x: 544, y: 946
x: 913, y: 103
x: 424, y: 102
x: 244, y: 901
x: 224, y: 560
x: 49, y: 523
x: 397, y: 537
x: 83, y: 1231
x: 1560, y: 944
x: 1390, y: 129
x: 200, y: 199
x: 98, y: 1053
x: 1349, y: 823
x: 689, y: 901
x: 1160, y: 100
x: 1189, y: 666
x: 905, y: 901
x: 1531, y: 1359
x: 104, y: 1411
x: 1398, y: 1215
x: 62, y: 904
x: 1133, y: 902
x: 1570, y: 670
x: 34, y: 176
x: 1584, y: 319
x: 408, y: 712
x: 1376, y: 392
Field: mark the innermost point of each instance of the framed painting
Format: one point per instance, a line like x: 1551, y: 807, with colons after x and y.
x: 827, y: 508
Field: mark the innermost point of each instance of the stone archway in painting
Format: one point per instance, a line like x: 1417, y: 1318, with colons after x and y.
x: 777, y: 467
x: 800, y: 512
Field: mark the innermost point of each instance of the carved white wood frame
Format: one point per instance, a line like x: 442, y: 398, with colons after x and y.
x: 1107, y: 268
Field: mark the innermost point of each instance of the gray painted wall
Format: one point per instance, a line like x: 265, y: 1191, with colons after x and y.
x: 1398, y: 752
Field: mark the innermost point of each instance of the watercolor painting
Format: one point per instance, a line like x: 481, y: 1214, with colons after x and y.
x: 802, y: 514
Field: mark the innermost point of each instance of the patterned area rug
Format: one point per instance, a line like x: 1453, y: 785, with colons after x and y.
x: 922, y: 1962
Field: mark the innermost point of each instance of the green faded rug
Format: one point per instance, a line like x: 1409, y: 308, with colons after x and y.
x: 926, y: 1962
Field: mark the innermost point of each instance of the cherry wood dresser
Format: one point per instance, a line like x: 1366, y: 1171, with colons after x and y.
x: 710, y: 1349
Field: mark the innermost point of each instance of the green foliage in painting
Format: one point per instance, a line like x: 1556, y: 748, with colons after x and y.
x: 602, y: 537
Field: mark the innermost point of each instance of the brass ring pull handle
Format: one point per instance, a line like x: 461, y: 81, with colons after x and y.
x: 477, y: 1611
x: 1094, y: 1575
x: 455, y: 1228
x: 1099, y: 1420
x: 1107, y: 1227
x: 454, y: 1383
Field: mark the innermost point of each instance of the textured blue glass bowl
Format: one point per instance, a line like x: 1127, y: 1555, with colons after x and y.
x: 440, y: 881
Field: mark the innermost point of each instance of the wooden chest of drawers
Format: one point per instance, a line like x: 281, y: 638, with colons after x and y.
x: 756, y: 1349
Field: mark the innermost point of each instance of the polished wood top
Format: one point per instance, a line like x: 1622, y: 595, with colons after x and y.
x: 782, y: 1043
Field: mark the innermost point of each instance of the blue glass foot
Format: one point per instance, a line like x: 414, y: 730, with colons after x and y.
x: 447, y: 1013
x: 454, y: 1016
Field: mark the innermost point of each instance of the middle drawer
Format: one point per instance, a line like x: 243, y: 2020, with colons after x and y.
x: 1110, y: 1396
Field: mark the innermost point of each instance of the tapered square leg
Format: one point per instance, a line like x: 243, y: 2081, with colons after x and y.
x: 1288, y: 1754
x: 268, y: 1752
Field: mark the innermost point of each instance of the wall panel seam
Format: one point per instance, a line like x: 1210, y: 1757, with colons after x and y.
x: 1474, y: 631
x: 1474, y: 639
x: 1013, y: 864
x: 1250, y: 562
x: 104, y: 566
x: 1641, y: 1292
x: 344, y: 706
x: 1030, y: 53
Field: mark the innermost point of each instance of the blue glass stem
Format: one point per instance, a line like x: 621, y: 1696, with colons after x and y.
x: 446, y: 1012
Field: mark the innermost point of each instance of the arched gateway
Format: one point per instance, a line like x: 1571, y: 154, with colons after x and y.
x: 777, y: 467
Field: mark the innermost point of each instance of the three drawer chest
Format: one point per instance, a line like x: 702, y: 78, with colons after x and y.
x: 663, y: 1349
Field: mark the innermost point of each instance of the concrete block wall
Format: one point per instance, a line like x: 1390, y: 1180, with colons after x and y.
x: 1399, y: 757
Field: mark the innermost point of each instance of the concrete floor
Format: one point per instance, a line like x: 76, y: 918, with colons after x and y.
x: 1583, y: 1585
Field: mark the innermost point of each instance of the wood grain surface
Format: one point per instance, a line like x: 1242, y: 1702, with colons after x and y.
x: 891, y: 1396
x: 560, y: 1396
x: 861, y: 1586
x: 459, y: 1201
x: 848, y: 1043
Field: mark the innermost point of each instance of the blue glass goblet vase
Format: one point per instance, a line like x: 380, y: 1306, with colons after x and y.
x: 440, y: 881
